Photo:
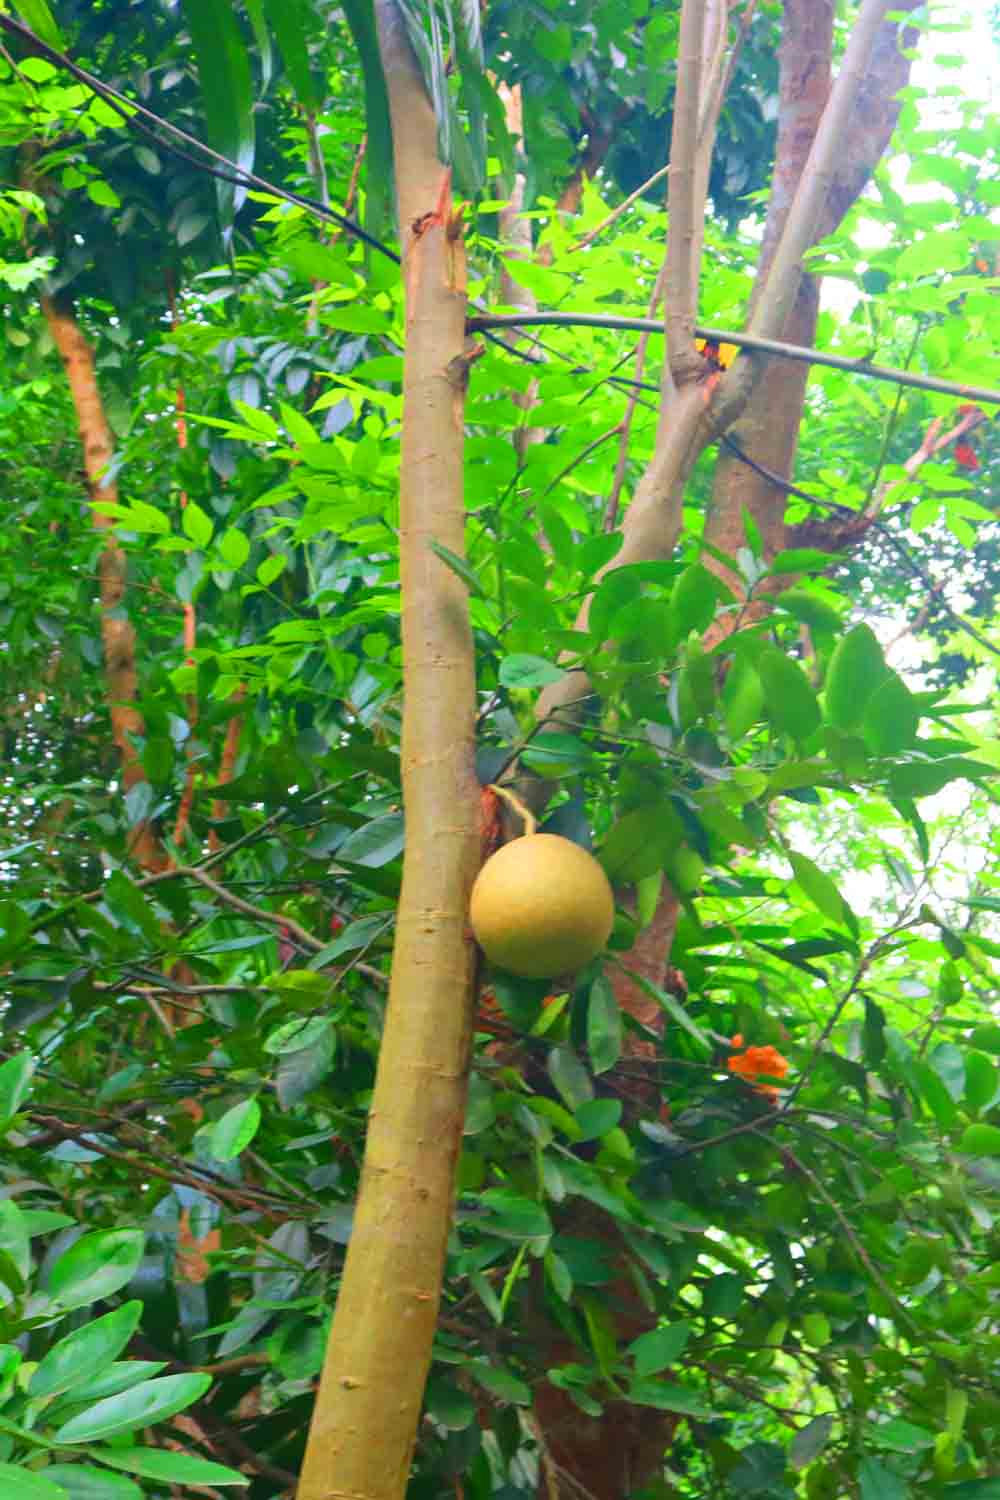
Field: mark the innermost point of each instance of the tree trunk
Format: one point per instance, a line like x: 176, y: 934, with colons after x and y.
x: 368, y: 1407
x: 117, y: 634
x: 769, y: 428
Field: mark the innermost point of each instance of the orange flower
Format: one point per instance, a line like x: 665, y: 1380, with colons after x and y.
x: 757, y: 1062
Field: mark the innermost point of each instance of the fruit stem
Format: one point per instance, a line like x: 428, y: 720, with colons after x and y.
x: 527, y: 818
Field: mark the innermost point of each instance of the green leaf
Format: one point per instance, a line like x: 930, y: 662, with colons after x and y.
x: 94, y: 1267
x: 511, y: 1216
x: 664, y: 1396
x: 692, y: 602
x: 14, y: 1239
x: 138, y: 516
x: 981, y: 1081
x: 233, y: 547
x: 23, y: 1484
x: 901, y: 1436
x: 153, y: 1401
x: 528, y: 672
x: 376, y: 844
x: 297, y: 1034
x: 802, y: 560
x: 573, y: 1083
x: 128, y: 904
x: 640, y: 843
x: 856, y: 669
x: 935, y: 1094
x: 742, y: 696
x: 673, y: 1008
x: 879, y: 1483
x: 82, y: 1482
x: 122, y: 1375
x: 170, y: 1468
x: 38, y: 15
x: 553, y: 755
x: 810, y: 1440
x: 924, y: 778
x: 86, y: 1352
x: 558, y: 1275
x: 15, y: 1085
x: 891, y: 717
x: 817, y: 885
x: 873, y: 1035
x: 223, y: 61
x: 654, y: 1351
x: 289, y: 20
x: 234, y: 1131
x: 449, y: 1405
x: 604, y: 1026
x: 381, y: 168
x: 948, y: 1062
x: 500, y: 1382
x: 597, y: 1117
x: 790, y: 702
x: 460, y: 568
x: 196, y: 524
x: 980, y: 1140
x: 811, y: 608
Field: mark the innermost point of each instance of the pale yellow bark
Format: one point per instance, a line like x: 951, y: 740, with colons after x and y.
x: 368, y: 1406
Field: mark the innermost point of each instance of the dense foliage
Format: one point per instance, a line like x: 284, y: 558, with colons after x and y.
x: 791, y: 1187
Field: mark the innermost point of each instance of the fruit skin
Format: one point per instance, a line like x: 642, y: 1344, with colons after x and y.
x: 541, y: 906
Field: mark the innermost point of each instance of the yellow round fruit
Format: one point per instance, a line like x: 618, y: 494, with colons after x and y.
x: 541, y: 906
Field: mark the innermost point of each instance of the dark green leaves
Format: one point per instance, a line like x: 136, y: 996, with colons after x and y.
x: 878, y: 1482
x: 604, y: 1026
x: 223, y: 61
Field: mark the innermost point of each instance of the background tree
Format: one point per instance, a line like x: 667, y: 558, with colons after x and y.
x: 725, y: 1213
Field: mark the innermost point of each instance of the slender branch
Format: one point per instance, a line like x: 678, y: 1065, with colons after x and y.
x: 800, y: 230
x: 275, y: 918
x: 751, y: 342
x: 621, y: 464
x: 623, y: 207
x: 856, y: 1244
x: 684, y: 212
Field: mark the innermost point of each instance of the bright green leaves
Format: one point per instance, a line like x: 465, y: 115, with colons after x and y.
x: 129, y: 1411
x: 856, y: 669
x: 821, y: 890
x: 693, y: 602
x: 980, y: 1140
x: 742, y: 697
x: 87, y: 1352
x: 891, y: 717
x: 233, y: 1131
x: 95, y: 1266
x: 15, y: 1086
x: 171, y: 1468
x: 789, y: 699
